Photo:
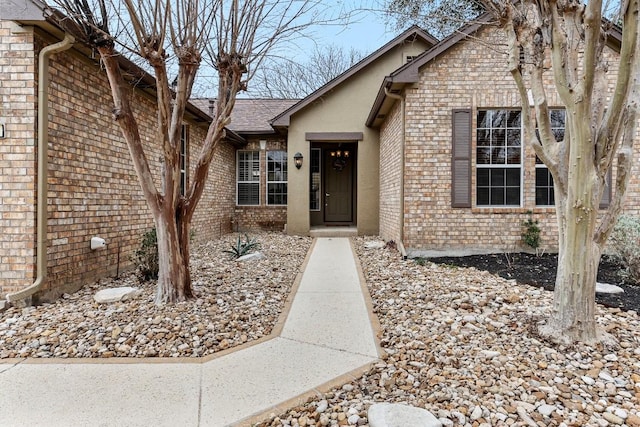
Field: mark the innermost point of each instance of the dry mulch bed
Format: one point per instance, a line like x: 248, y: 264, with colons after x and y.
x: 540, y: 271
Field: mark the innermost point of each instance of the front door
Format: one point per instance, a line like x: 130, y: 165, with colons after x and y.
x: 338, y: 184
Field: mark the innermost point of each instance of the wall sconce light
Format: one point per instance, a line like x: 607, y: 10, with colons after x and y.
x: 297, y: 158
x: 2, y: 134
x: 263, y: 144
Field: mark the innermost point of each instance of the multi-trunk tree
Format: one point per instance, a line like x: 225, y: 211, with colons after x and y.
x: 177, y: 36
x: 600, y: 128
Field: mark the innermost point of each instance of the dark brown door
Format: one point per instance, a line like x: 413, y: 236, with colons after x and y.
x: 338, y: 186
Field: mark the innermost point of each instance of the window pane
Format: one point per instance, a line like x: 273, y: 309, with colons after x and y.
x: 483, y: 196
x: 559, y: 134
x: 514, y: 137
x: 542, y: 177
x: 483, y: 177
x: 277, y: 194
x: 484, y: 119
x: 498, y: 137
x: 484, y: 138
x: 499, y: 119
x: 497, y: 177
x: 513, y: 156
x: 557, y: 118
x: 498, y: 156
x: 513, y: 196
x: 497, y: 196
x: 513, y: 177
x: 276, y: 177
x: 248, y: 194
x: 514, y: 119
x: 484, y: 155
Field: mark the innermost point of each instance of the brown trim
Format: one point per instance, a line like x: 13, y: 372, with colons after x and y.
x: 333, y: 136
x: 461, y: 122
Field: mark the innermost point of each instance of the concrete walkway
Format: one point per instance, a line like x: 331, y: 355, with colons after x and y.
x: 326, y: 340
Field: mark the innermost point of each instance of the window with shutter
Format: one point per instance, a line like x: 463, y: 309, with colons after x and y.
x: 461, y: 159
x: 248, y: 179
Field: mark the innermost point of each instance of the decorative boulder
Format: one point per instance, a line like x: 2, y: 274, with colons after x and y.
x: 256, y: 256
x: 605, y: 288
x: 374, y: 245
x: 116, y: 294
x: 398, y: 415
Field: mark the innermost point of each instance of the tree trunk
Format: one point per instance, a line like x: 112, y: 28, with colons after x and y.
x: 573, y: 311
x: 174, y: 280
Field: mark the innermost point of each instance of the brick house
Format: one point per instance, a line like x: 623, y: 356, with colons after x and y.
x: 92, y: 190
x: 394, y: 146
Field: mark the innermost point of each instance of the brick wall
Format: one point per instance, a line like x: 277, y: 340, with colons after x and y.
x: 460, y: 78
x: 262, y: 217
x: 17, y: 157
x: 391, y: 140
x: 93, y: 188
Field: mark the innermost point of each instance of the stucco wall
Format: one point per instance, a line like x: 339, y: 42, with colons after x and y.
x: 344, y: 109
x: 472, y: 76
x: 93, y: 188
x: 17, y: 157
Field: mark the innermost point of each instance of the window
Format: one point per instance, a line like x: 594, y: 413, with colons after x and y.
x: 314, y: 185
x: 498, y: 158
x: 276, y: 177
x: 544, y: 181
x: 248, y: 190
x: 184, y: 164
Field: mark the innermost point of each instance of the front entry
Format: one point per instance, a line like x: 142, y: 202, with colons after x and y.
x: 338, y: 183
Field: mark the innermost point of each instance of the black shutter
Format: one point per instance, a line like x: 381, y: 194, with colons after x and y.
x: 461, y: 159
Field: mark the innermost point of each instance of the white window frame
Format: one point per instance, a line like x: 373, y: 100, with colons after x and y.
x: 490, y: 166
x: 283, y: 162
x: 184, y: 159
x: 254, y: 175
x: 543, y: 166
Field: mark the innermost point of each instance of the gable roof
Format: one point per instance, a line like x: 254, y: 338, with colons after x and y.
x: 411, y: 34
x: 250, y: 116
x: 409, y: 73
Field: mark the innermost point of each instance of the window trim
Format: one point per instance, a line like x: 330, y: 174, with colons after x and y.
x: 283, y: 161
x: 253, y: 182
x: 311, y: 172
x: 184, y: 160
x: 497, y: 165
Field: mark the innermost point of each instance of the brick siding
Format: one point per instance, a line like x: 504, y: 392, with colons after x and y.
x: 391, y: 140
x: 93, y: 188
x: 17, y: 157
x: 461, y: 78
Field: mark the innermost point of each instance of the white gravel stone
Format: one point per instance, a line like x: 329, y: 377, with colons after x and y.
x: 110, y: 295
x: 396, y: 415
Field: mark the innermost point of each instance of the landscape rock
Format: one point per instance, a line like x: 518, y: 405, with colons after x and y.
x: 605, y: 288
x: 255, y: 256
x: 110, y: 295
x: 376, y: 244
x: 397, y: 415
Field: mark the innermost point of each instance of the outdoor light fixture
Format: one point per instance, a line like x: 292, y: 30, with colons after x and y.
x: 297, y: 158
x: 1, y: 130
x: 263, y: 144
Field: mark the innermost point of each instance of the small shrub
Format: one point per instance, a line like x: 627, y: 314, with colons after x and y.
x: 624, y: 244
x: 241, y: 248
x: 145, y: 258
x: 531, y: 233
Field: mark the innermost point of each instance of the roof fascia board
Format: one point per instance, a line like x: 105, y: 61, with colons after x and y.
x: 283, y: 119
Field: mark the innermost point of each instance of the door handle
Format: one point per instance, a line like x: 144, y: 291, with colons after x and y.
x: 327, y: 194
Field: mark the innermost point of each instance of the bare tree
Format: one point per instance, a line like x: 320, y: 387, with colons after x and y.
x: 284, y: 78
x: 232, y: 36
x: 600, y: 128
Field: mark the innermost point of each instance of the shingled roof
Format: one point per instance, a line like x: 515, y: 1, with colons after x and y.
x: 250, y: 116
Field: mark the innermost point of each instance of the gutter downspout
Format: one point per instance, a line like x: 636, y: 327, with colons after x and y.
x: 400, y: 98
x: 43, y: 167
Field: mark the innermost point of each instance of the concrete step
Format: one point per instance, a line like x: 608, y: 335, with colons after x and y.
x: 333, y: 231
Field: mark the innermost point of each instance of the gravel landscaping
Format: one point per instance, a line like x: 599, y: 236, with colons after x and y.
x: 461, y: 343
x: 236, y: 303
